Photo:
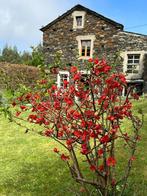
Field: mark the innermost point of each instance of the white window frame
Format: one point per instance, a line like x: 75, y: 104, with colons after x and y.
x: 82, y: 38
x: 76, y: 14
x: 84, y: 72
x: 59, y: 77
x: 124, y: 55
x: 133, y: 63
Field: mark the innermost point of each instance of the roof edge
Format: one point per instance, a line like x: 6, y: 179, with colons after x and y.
x: 78, y: 6
x: 137, y: 34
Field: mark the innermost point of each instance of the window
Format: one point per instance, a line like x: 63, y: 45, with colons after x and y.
x: 85, y: 48
x: 79, y: 21
x: 133, y: 64
x: 133, y: 61
x: 61, y: 77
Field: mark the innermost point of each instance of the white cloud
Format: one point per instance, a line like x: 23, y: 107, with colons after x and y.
x: 20, y: 20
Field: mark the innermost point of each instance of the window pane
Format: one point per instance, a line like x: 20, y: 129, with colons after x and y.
x: 79, y: 20
x: 88, y: 51
x: 129, y: 71
x: 129, y: 66
x: 137, y: 56
x: 130, y: 61
x: 130, y: 56
x: 135, y: 71
x: 136, y: 61
x: 83, y: 51
x: 86, y: 43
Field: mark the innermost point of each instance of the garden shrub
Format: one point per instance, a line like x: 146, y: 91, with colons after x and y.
x: 86, y: 116
x: 12, y: 75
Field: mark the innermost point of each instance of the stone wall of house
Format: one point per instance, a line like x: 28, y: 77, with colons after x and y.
x: 110, y: 40
x: 62, y: 37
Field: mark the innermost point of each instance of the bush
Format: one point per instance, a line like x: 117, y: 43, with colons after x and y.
x: 12, y: 75
x: 86, y: 116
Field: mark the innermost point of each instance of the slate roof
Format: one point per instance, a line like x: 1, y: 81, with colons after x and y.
x: 80, y: 7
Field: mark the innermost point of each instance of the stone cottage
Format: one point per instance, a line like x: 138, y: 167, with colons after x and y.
x: 81, y: 33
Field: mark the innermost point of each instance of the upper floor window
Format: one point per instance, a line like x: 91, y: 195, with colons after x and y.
x: 133, y: 61
x: 78, y: 19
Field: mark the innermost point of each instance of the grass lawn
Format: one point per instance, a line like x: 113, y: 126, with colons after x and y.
x: 29, y: 167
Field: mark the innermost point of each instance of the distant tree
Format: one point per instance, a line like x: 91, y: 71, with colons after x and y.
x: 26, y: 58
x: 10, y: 54
x: 37, y: 56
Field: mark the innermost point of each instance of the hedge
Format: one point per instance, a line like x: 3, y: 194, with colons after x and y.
x: 12, y: 75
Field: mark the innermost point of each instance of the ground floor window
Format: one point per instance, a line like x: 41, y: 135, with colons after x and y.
x: 133, y: 63
x: 61, y: 77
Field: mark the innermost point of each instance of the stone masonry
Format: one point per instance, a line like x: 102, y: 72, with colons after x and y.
x: 110, y: 39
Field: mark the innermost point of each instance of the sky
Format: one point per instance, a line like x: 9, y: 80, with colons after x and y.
x: 20, y: 20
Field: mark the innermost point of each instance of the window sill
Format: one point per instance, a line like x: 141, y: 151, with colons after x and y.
x: 84, y: 57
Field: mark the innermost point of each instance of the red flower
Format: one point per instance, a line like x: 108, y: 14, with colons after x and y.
x: 89, y: 113
x: 96, y: 61
x: 84, y: 149
x: 64, y: 157
x: 73, y: 69
x: 13, y: 103
x: 32, y: 117
x: 77, y: 133
x: 100, y: 152
x: 111, y: 161
x: 56, y: 150
x: 48, y: 132
x: 54, y: 87
x: 57, y: 105
x: 90, y: 60
x: 105, y: 139
x: 76, y: 115
x: 18, y: 113
x: 77, y: 76
x: 69, y: 142
x: 111, y: 118
x: 65, y: 82
x: 43, y: 81
x: 92, y: 167
x: 68, y: 101
x: 101, y: 168
x: 23, y: 107
x: 132, y: 158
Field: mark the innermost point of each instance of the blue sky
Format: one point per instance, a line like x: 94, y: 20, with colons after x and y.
x: 20, y: 20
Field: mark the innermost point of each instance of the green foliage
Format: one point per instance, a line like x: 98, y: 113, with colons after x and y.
x: 37, y: 58
x: 10, y: 54
x: 26, y: 58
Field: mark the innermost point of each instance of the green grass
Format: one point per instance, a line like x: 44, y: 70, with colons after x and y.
x: 29, y: 167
